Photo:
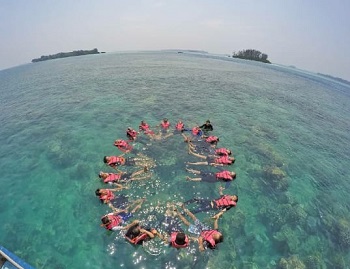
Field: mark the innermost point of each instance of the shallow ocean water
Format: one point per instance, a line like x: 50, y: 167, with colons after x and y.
x: 289, y: 131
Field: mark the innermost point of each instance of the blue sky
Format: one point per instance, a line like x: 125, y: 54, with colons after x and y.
x: 310, y: 34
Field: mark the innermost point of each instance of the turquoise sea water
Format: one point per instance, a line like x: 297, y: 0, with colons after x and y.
x: 289, y: 131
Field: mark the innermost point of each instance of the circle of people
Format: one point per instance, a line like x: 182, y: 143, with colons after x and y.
x: 201, y: 144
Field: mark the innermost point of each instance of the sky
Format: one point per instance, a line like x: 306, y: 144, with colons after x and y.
x: 313, y: 35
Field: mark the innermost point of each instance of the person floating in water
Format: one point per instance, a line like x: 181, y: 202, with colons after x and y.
x: 131, y: 134
x: 176, y: 239
x: 144, y: 127
x: 207, y: 237
x: 222, y: 204
x: 214, y: 161
x: 113, y: 221
x: 115, y: 161
x: 123, y: 145
x: 164, y: 126
x: 207, y: 127
x: 204, y: 145
x: 213, y: 177
x: 136, y: 234
x: 122, y: 177
x: 107, y: 195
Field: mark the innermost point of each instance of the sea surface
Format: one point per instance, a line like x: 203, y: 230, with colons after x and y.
x: 289, y: 131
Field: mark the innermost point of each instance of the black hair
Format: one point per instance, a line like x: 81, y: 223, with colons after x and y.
x: 133, y: 231
x: 97, y: 192
x: 234, y: 176
x: 105, y: 159
x: 180, y: 238
x: 105, y: 220
x: 208, y: 121
x: 237, y: 199
x: 230, y: 152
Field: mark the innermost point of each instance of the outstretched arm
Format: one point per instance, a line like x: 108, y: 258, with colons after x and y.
x: 200, y: 243
x: 119, y: 187
x: 184, y: 220
x: 150, y: 234
x: 131, y: 224
x: 220, y: 190
x: 216, y: 221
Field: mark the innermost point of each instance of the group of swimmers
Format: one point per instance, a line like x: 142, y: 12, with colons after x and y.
x: 200, y: 144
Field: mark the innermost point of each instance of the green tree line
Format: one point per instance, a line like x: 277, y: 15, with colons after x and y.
x: 251, y: 54
x: 65, y: 54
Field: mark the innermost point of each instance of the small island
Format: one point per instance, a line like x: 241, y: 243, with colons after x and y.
x: 251, y: 54
x: 66, y: 54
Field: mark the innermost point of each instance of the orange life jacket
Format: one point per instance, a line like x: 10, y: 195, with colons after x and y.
x: 195, y: 130
x: 165, y: 125
x: 114, y: 221
x: 212, y: 139
x: 208, y: 236
x: 223, y: 160
x: 112, y: 178
x: 222, y: 152
x: 116, y: 160
x: 179, y: 126
x: 123, y: 145
x: 224, y: 201
x: 137, y: 239
x: 224, y: 175
x: 106, y: 197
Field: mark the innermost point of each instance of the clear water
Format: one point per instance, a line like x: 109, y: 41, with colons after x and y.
x: 289, y: 131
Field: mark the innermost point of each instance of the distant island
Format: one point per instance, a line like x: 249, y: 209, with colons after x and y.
x: 335, y: 78
x: 66, y: 54
x: 251, y: 54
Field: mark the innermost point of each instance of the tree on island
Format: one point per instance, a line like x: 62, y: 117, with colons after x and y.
x: 251, y: 54
x: 66, y: 54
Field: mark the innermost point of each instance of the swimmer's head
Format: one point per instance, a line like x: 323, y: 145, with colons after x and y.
x: 180, y: 238
x: 105, y: 220
x: 233, y: 174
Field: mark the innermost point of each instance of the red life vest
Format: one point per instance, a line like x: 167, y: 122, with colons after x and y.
x: 223, y: 160
x: 175, y: 245
x: 131, y: 133
x: 179, y: 126
x: 224, y: 175
x: 212, y: 139
x: 137, y: 239
x: 115, y: 160
x: 165, y: 125
x: 106, y: 197
x: 222, y: 152
x: 144, y: 127
x: 112, y: 178
x: 224, y: 201
x: 208, y: 236
x: 114, y: 221
x: 123, y: 145
x: 195, y: 130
